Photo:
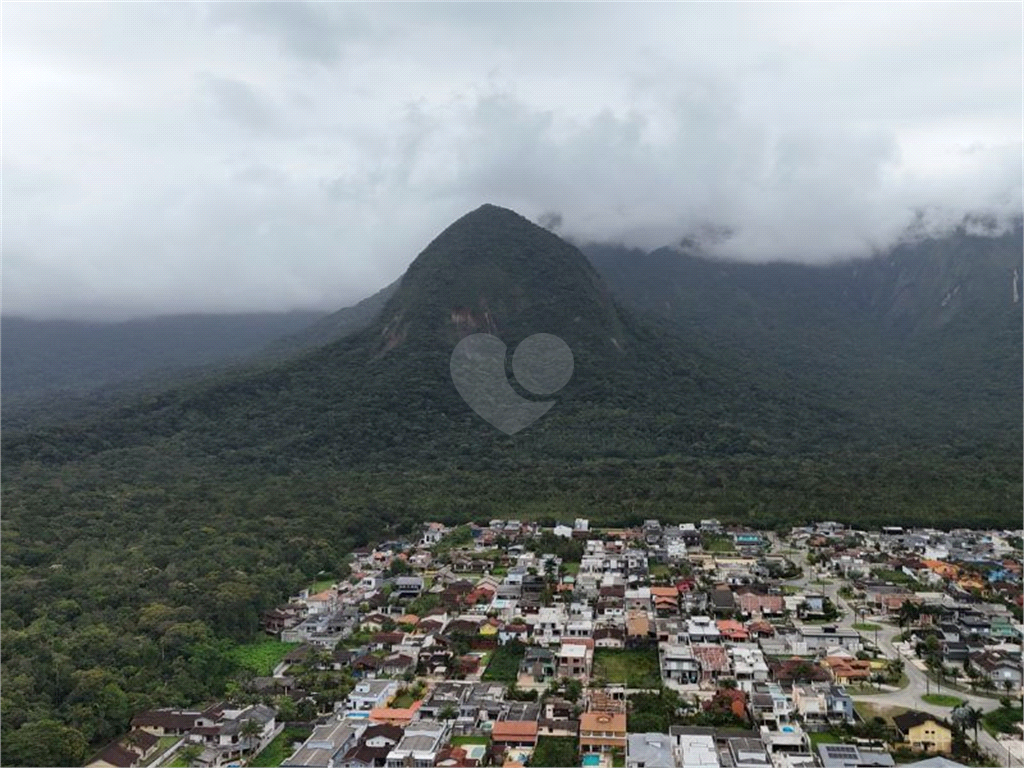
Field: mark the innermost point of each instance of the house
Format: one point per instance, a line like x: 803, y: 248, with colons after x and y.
x: 713, y: 661
x: 851, y: 756
x: 371, y: 694
x: 747, y: 752
x: 514, y: 733
x: 171, y: 722
x: 678, y: 664
x: 325, y: 746
x: 225, y: 738
x: 575, y: 660
x: 126, y: 752
x: 846, y: 669
x: 602, y: 731
x: 768, y: 703
x: 822, y: 638
x: 372, y: 748
x: 798, y: 670
x: 748, y: 666
x: 408, y: 586
x: 649, y: 750
x: 610, y: 637
x: 823, y: 703
x: 923, y: 731
x: 419, y: 746
x: 694, y: 747
x: 538, y: 663
x: 999, y: 666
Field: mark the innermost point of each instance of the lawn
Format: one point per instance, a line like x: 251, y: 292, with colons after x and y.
x: 825, y: 737
x: 719, y: 544
x: 280, y: 749
x: 261, y: 655
x: 942, y: 700
x: 321, y: 585
x: 634, y: 669
x: 660, y: 571
x: 571, y: 568
x: 867, y: 627
x: 556, y: 752
x: 403, y: 701
x: 504, y: 664
x: 1002, y: 720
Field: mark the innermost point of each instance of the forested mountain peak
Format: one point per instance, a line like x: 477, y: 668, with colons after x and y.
x: 493, y: 271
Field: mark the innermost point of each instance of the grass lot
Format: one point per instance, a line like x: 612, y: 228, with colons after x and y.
x: 571, y: 569
x: 660, y: 571
x: 867, y: 627
x: 458, y: 741
x: 634, y: 669
x: 789, y: 589
x: 403, y: 701
x: 1002, y: 720
x: 942, y: 700
x: 719, y: 544
x: 869, y: 711
x: 262, y: 654
x: 825, y: 737
x: 503, y: 666
x: 280, y: 749
x: 556, y: 752
x: 321, y: 585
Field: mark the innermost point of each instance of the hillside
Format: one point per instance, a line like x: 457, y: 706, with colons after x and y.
x: 44, y: 359
x: 142, y: 538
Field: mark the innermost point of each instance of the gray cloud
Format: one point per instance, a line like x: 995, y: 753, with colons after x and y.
x: 170, y: 157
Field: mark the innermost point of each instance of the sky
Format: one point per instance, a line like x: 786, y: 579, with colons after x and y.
x: 164, y: 157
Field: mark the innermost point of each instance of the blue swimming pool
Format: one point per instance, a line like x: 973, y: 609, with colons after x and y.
x: 591, y: 759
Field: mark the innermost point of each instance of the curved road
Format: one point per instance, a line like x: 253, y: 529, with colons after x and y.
x: 910, y: 696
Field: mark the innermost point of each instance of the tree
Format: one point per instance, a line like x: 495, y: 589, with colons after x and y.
x: 448, y: 712
x: 250, y: 733
x: 44, y: 742
x: 573, y: 690
x: 190, y: 753
x: 969, y: 717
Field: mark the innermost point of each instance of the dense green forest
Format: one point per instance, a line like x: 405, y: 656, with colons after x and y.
x: 142, y: 540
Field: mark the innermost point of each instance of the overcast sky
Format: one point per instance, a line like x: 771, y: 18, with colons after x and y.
x: 170, y: 156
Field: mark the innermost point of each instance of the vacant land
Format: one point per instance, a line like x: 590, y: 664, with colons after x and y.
x: 634, y: 668
x: 556, y: 752
x: 504, y: 664
x: 1002, y: 720
x: 867, y: 627
x: 280, y: 748
x: 262, y: 654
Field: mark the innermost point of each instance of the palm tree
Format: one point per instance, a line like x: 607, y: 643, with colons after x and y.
x: 969, y: 717
x: 250, y: 733
x: 190, y: 753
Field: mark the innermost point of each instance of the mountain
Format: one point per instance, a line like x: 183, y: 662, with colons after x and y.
x: 46, y: 358
x: 330, y: 327
x: 923, y: 340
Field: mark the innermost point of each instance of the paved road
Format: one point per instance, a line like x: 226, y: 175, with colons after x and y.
x: 919, y: 685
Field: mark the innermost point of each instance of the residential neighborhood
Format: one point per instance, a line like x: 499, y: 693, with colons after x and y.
x: 693, y: 645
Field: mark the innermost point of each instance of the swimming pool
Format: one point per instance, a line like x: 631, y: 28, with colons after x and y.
x: 591, y: 759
